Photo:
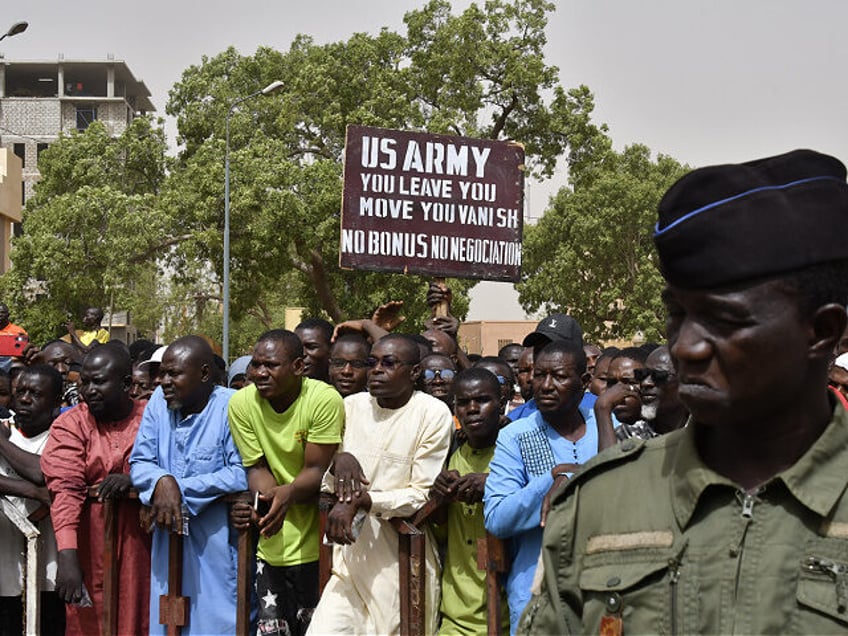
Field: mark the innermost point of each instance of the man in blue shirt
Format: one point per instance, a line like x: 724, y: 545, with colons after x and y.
x: 554, y: 328
x: 531, y: 453
x: 183, y: 461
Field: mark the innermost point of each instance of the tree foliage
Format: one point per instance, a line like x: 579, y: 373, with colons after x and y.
x: 108, y: 226
x: 591, y: 255
x: 91, y: 231
x: 481, y: 73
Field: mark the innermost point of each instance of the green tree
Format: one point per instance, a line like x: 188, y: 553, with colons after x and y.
x: 92, y: 230
x: 481, y: 73
x: 592, y: 256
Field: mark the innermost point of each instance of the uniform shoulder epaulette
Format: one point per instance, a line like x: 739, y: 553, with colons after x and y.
x: 625, y: 451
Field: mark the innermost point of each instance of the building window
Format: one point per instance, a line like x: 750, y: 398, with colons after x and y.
x: 504, y: 342
x: 20, y: 150
x: 86, y: 115
x: 23, y: 193
x: 39, y: 149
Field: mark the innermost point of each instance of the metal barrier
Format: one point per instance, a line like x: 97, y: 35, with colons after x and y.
x: 109, y: 625
x: 32, y: 614
x: 173, y: 607
x: 412, y: 567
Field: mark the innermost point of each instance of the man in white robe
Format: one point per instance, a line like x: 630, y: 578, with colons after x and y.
x: 395, y: 443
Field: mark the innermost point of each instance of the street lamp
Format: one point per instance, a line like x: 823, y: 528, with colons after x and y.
x: 15, y: 29
x: 273, y: 86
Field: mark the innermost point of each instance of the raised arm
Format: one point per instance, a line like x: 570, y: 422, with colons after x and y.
x: 604, y: 405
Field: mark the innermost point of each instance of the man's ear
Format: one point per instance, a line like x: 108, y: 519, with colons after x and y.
x: 585, y: 379
x: 204, y: 373
x: 414, y: 372
x: 126, y: 383
x: 827, y: 326
x: 503, y: 401
x: 297, y: 366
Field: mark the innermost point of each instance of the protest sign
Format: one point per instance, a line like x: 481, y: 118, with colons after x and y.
x: 432, y: 204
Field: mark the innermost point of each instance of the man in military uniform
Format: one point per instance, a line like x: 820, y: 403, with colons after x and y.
x: 737, y: 523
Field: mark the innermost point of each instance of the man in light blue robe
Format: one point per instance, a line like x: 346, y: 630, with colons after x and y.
x: 183, y: 461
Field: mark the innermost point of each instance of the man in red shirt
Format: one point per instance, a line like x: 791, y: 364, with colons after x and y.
x: 6, y: 327
x: 90, y: 445
x: 10, y: 345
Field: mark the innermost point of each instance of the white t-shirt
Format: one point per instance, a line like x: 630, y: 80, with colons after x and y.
x: 12, y: 542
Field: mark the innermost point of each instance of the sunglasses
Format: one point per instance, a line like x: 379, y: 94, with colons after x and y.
x: 341, y: 363
x: 388, y: 363
x: 444, y: 374
x: 660, y: 376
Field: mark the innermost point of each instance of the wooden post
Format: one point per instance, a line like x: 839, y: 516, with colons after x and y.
x: 244, y: 589
x: 325, y: 552
x: 110, y: 568
x: 173, y: 608
x: 412, y: 577
x: 491, y: 557
x: 109, y: 622
x: 417, y: 578
x: 403, y: 576
x: 442, y: 308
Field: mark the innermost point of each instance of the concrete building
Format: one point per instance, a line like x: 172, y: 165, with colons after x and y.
x: 487, y: 337
x: 11, y: 199
x: 39, y: 100
x: 120, y: 327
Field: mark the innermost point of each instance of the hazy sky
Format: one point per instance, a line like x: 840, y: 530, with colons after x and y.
x: 707, y: 81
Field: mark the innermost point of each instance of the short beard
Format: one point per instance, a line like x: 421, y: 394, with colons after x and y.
x: 649, y: 412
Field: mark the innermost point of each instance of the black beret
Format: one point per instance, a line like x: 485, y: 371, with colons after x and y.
x: 726, y: 224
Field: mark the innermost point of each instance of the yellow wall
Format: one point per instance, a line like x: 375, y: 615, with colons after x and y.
x: 10, y: 201
x: 486, y: 337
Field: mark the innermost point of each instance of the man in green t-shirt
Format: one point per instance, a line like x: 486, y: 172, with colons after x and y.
x: 287, y: 428
x: 478, y: 408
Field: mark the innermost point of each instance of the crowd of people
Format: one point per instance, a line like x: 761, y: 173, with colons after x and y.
x: 714, y: 503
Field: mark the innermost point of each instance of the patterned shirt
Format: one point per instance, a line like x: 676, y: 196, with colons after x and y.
x: 519, y: 477
x: 641, y: 429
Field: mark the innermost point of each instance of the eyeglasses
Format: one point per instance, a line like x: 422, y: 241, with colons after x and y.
x: 660, y: 376
x: 341, y: 363
x: 387, y: 363
x: 443, y: 374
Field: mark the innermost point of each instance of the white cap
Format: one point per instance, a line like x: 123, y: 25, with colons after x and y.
x: 156, y: 357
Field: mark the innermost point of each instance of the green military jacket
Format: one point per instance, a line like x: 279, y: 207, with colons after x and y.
x: 648, y: 540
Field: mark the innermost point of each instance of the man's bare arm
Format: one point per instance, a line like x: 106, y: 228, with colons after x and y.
x: 26, y: 464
